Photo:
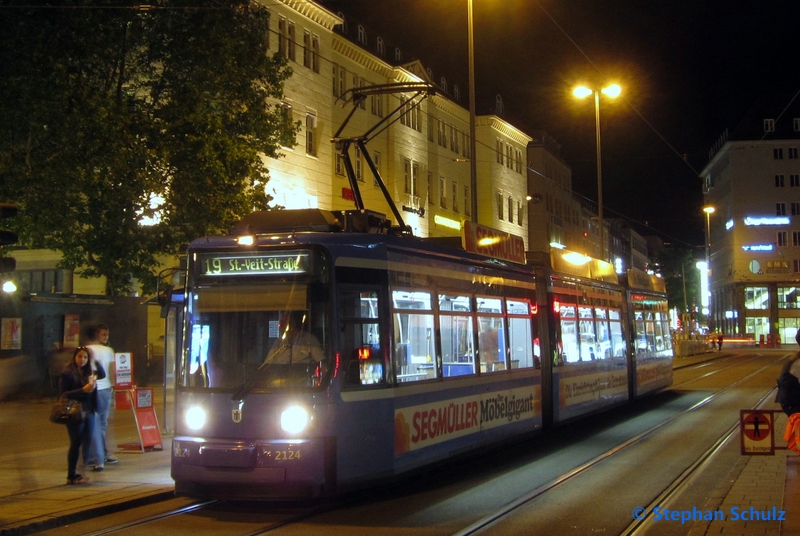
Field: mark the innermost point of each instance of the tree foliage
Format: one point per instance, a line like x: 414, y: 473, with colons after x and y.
x: 678, y: 267
x: 110, y: 114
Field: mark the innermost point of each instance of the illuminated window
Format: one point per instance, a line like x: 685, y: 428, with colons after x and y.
x: 756, y: 298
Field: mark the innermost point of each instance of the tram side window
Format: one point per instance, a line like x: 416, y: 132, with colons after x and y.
x: 641, y: 337
x: 525, y: 350
x: 615, y: 325
x: 569, y: 334
x: 455, y: 327
x: 602, y: 333
x: 415, y: 349
x: 588, y: 348
x: 362, y: 357
x: 491, y: 334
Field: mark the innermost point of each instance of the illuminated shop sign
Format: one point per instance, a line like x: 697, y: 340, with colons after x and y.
x: 274, y: 264
x: 766, y: 220
x: 758, y: 247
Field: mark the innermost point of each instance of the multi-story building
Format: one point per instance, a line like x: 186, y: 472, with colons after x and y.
x: 753, y: 182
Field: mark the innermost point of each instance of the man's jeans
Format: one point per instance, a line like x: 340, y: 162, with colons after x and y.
x: 99, y: 450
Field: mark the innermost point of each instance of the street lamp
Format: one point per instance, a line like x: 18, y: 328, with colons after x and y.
x: 709, y: 210
x: 613, y: 91
x: 473, y: 159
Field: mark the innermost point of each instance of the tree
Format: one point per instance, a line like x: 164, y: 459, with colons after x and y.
x: 112, y: 116
x: 680, y: 276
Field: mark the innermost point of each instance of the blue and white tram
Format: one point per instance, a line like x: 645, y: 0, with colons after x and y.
x: 409, y: 352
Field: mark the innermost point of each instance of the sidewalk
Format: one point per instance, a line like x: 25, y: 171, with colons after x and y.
x: 33, y: 469
x: 34, y: 496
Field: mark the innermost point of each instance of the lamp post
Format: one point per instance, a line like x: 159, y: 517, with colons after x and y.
x: 709, y: 210
x: 473, y: 159
x: 611, y: 91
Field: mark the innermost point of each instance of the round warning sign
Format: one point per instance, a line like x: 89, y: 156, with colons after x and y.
x: 757, y: 426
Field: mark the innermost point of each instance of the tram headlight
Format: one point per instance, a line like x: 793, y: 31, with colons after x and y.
x: 195, y: 417
x: 294, y: 419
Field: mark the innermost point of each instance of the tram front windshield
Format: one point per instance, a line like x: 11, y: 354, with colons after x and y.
x: 252, y: 336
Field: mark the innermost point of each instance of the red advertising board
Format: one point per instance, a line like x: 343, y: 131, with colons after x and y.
x: 144, y: 413
x: 123, y: 379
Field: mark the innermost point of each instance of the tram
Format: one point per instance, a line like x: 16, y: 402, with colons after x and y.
x: 324, y: 352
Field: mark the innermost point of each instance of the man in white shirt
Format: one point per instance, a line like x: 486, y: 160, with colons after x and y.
x: 103, y: 354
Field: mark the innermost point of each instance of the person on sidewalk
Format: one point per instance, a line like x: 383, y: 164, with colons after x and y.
x: 104, y: 356
x: 78, y: 381
x: 719, y: 342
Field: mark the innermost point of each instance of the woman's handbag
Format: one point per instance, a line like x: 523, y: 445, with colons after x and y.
x: 66, y: 411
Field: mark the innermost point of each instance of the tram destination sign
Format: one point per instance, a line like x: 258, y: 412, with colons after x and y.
x: 225, y: 264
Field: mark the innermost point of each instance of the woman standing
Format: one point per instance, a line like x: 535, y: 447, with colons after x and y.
x: 77, y: 382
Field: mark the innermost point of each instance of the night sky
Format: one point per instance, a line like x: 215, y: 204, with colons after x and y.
x: 688, y: 68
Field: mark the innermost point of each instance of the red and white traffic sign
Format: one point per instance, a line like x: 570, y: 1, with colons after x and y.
x: 757, y: 432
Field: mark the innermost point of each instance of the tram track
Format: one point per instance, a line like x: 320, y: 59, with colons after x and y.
x: 488, y: 521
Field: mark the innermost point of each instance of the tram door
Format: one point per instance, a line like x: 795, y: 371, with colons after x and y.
x: 361, y: 352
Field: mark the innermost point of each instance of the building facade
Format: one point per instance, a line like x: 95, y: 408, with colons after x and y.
x: 753, y: 183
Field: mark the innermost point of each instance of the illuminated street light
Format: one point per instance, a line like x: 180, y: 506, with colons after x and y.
x: 613, y: 91
x: 709, y: 210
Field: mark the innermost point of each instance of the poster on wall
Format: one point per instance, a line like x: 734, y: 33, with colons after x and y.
x: 11, y: 334
x: 72, y: 331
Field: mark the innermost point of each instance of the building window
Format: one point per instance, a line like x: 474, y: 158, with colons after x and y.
x: 792, y: 153
x: 311, y: 134
x: 777, y: 153
x: 498, y: 149
x: 796, y: 238
x: 794, y: 180
x: 306, y: 48
x: 454, y: 194
x: 406, y: 176
x: 362, y: 35
x: 442, y: 135
x: 456, y: 93
x: 795, y: 208
x: 467, y: 202
x: 282, y: 36
x: 359, y: 176
x: 357, y: 83
x: 780, y: 209
x: 339, y: 166
x: 285, y: 110
x: 315, y: 53
x: 376, y: 105
x: 769, y: 125
x: 290, y: 41
x: 414, y: 175
x: 339, y: 80
x: 442, y: 193
x: 779, y: 183
x: 510, y: 209
x: 797, y: 264
x: 376, y: 159
x: 465, y: 147
x: 500, y: 205
x: 443, y: 84
x: 796, y: 124
x: 783, y: 239
x: 428, y: 196
x: 380, y: 47
x: 518, y: 161
x: 756, y: 298
x: 398, y: 54
x: 520, y: 212
x: 39, y: 281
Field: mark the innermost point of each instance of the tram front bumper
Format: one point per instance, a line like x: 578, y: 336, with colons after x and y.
x: 288, y: 465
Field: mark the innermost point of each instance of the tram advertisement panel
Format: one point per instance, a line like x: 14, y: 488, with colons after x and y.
x: 653, y: 374
x: 588, y: 387
x: 420, y: 426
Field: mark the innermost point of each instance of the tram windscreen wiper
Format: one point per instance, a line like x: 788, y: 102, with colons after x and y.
x: 247, y: 386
